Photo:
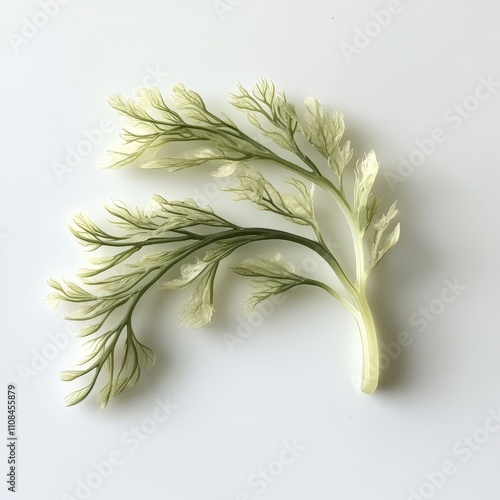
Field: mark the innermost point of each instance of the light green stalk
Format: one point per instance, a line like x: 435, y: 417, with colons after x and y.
x: 179, y: 230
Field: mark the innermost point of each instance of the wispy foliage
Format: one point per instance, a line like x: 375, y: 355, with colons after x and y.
x: 180, y: 244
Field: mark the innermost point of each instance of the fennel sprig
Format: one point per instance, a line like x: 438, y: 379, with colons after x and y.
x: 147, y: 244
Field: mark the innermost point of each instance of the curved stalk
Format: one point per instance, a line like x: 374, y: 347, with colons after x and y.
x: 369, y: 345
x: 152, y: 227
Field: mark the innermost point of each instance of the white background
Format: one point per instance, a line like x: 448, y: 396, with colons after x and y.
x: 293, y: 379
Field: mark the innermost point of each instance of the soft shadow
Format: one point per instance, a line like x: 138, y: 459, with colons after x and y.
x: 407, y: 266
x: 150, y: 329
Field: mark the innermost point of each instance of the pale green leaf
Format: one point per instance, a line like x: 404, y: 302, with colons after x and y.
x: 199, y: 309
x: 227, y: 169
x: 274, y: 267
x: 339, y: 158
x: 78, y: 396
x: 324, y: 129
x: 189, y: 273
x: 274, y: 276
x: 365, y: 174
x: 69, y: 375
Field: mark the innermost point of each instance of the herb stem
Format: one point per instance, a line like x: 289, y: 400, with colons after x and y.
x: 369, y: 344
